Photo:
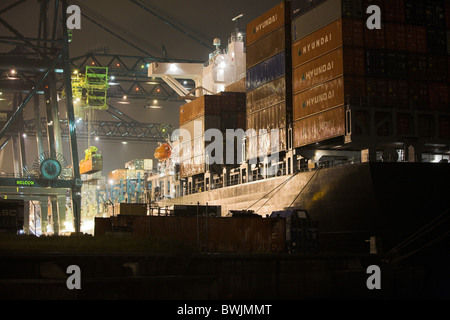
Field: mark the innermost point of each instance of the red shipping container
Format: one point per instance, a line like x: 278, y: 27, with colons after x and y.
x: 395, y: 36
x: 353, y: 32
x: 418, y: 95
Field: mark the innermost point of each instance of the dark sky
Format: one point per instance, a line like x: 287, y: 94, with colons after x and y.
x: 212, y: 18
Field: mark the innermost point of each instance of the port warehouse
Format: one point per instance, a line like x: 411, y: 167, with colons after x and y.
x: 360, y: 94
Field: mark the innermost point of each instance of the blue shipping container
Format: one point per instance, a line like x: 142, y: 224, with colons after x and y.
x: 266, y: 71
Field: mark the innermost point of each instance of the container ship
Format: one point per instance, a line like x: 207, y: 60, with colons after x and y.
x: 352, y: 124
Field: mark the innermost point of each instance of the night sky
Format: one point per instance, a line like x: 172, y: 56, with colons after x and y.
x: 211, y: 18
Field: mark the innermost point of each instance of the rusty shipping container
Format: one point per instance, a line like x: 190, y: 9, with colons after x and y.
x: 318, y: 99
x: 320, y: 127
x: 238, y: 86
x: 130, y: 209
x: 278, y: 16
x: 267, y: 95
x: 267, y: 71
x: 320, y: 70
x: 271, y: 44
x: 318, y: 43
x: 206, y: 104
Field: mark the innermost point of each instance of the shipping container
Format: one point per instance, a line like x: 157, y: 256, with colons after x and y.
x: 353, y: 32
x: 130, y: 209
x: 361, y: 123
x: 396, y: 65
x: 278, y: 16
x: 375, y: 38
x: 418, y: 95
x: 435, y: 40
x: 267, y: 95
x: 355, y: 90
x: 118, y: 174
x: 439, y: 96
x: 207, y: 104
x: 444, y: 127
x: 375, y: 63
x: 415, y: 12
x: 318, y: 99
x: 435, y: 14
x: 394, y: 11
x: 398, y: 93
x: 376, y: 93
x: 11, y: 215
x: 268, y: 46
x: 318, y: 43
x: 417, y: 67
x: 325, y: 13
x: 437, y: 68
x: 322, y: 69
x: 238, y: 86
x: 301, y: 6
x: 447, y: 14
x: 217, y: 234
x: 425, y: 126
x: 266, y: 71
x: 395, y: 36
x: 320, y: 127
x: 404, y: 124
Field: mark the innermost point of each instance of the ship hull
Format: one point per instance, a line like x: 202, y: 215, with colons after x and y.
x: 389, y: 201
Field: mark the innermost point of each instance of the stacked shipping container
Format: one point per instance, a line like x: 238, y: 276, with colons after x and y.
x: 338, y: 61
x: 268, y: 81
x: 223, y: 111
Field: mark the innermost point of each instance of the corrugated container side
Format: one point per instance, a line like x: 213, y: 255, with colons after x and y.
x: 394, y: 11
x: 447, y: 14
x: 267, y: 95
x: 396, y: 65
x: 425, y: 126
x: 319, y: 127
x: 395, y: 36
x: 353, y: 32
x: 435, y: 14
x: 377, y: 95
x: 418, y: 95
x: 375, y: 38
x: 320, y: 70
x: 444, y: 127
x: 421, y: 39
x: 361, y: 123
x: 415, y: 12
x: 435, y: 41
x: 268, y: 46
x: 355, y: 90
x: 269, y: 21
x: 398, y: 94
x: 375, y: 63
x: 316, y: 18
x: 266, y: 71
x: 404, y: 124
x: 320, y: 98
x: 301, y: 6
x: 417, y: 67
x: 238, y: 86
x: 314, y: 45
x: 439, y: 96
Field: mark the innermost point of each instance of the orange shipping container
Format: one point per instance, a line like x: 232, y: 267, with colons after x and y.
x: 320, y: 70
x: 320, y: 98
x: 320, y: 127
x: 318, y: 43
x: 271, y: 20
